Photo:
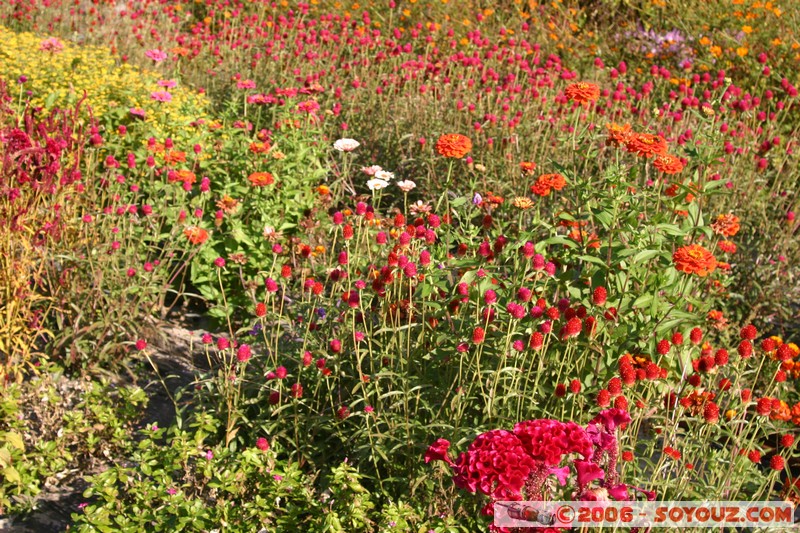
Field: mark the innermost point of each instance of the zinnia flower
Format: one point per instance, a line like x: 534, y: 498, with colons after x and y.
x: 582, y: 92
x: 346, y: 145
x: 406, y: 185
x: 161, y: 96
x: 726, y: 225
x: 156, y: 55
x: 618, y: 134
x: 261, y: 179
x: 646, y: 145
x: 668, y: 164
x: 196, y: 235
x: 453, y: 145
x: 694, y: 259
x: 377, y: 184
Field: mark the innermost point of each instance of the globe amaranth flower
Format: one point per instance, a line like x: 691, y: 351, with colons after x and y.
x: 453, y: 145
x: 694, y: 259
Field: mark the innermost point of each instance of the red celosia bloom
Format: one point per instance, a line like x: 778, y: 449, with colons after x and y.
x: 261, y: 179
x: 261, y: 309
x: 438, y: 452
x: 196, y: 235
x: 496, y: 464
x: 787, y: 440
x: 668, y: 164
x: 726, y: 225
x: 603, y: 398
x: 694, y: 259
x: 749, y: 332
x: 575, y: 386
x: 663, y: 347
x: 582, y: 92
x: 754, y: 456
x: 646, y: 145
x: 776, y: 462
x: 453, y: 145
x: 262, y: 444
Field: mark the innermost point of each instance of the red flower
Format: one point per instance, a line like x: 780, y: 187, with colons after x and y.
x: 478, y: 335
x: 196, y: 235
x: 599, y: 296
x: 261, y: 179
x: 438, y: 452
x: 776, y: 462
x: 262, y: 444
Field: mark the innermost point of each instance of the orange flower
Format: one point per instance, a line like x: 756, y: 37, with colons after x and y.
x: 527, y: 167
x: 727, y: 225
x: 590, y: 240
x: 453, y: 145
x: 522, y: 202
x: 646, y: 145
x: 170, y: 158
x: 728, y: 247
x: 694, y: 259
x: 618, y: 134
x: 227, y: 204
x: 668, y: 164
x: 261, y: 179
x: 546, y: 182
x: 196, y: 235
x: 184, y: 176
x: 260, y: 148
x: 583, y: 92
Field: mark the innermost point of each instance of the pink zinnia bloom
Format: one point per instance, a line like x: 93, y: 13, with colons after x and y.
x: 246, y: 84
x: 156, y: 55
x: 168, y: 84
x: 161, y: 96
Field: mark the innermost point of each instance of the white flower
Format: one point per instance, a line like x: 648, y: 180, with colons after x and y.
x: 377, y: 184
x: 384, y: 175
x: 370, y: 171
x: 406, y: 185
x: 346, y: 145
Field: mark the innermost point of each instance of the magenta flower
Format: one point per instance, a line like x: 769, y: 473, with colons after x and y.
x: 156, y: 55
x: 161, y: 96
x: 438, y: 452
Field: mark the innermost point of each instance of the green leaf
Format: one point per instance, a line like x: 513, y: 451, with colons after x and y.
x: 645, y: 255
x: 15, y: 439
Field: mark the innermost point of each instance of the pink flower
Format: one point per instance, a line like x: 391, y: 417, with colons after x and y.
x: 161, y: 96
x: 587, y: 472
x: 245, y: 84
x: 167, y: 84
x: 438, y: 452
x: 156, y: 55
x: 51, y: 44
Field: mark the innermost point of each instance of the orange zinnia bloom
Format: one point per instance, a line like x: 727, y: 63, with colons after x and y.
x: 171, y: 158
x: 196, y: 235
x: 618, y: 134
x: 453, y: 145
x: 694, y: 259
x: 583, y: 92
x: 727, y: 225
x: 668, y: 164
x: 184, y: 176
x: 547, y: 182
x: 527, y: 167
x: 261, y: 179
x: 646, y: 145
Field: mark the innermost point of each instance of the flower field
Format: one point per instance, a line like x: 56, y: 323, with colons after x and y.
x: 429, y: 255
